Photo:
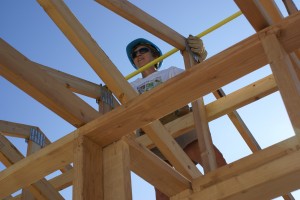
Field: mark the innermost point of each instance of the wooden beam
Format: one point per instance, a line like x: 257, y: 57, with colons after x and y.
x: 288, y: 197
x: 145, y: 164
x: 296, y: 62
x: 43, y: 186
x: 145, y: 21
x: 241, y: 97
x: 88, y: 170
x: 41, y: 189
x: 222, y: 106
x: 290, y: 6
x: 63, y: 181
x: 249, y: 7
x: 59, y: 182
x: 171, y: 150
x: 205, y: 143
x: 77, y: 85
x: 102, y: 65
x: 116, y: 172
x: 56, y: 155
x: 28, y: 193
x: 3, y: 159
x: 14, y: 129
x: 88, y: 48
x: 253, y: 176
x: 74, y: 83
x: 9, y: 151
x: 24, y: 131
x: 243, y: 58
x: 182, y: 196
x: 44, y: 88
x: 19, y: 130
x: 270, y: 10
x: 240, y: 125
x: 270, y: 13
x: 285, y: 76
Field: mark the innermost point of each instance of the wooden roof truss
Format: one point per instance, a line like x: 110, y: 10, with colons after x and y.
x: 103, y: 149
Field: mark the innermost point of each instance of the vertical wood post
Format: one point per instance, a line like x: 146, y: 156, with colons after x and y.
x: 88, y: 173
x: 116, y: 172
x: 201, y: 125
x: 285, y: 76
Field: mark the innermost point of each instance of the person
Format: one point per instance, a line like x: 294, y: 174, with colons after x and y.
x: 142, y: 51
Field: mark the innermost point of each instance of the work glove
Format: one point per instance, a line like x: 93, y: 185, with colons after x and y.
x: 197, y: 47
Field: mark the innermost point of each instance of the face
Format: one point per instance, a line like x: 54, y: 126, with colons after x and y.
x: 141, y: 56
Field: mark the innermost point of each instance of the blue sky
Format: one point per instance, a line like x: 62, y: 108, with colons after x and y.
x: 26, y: 27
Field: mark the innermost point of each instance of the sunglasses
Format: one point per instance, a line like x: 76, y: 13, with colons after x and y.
x: 141, y: 51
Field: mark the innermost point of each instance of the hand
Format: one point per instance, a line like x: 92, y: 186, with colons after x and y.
x: 197, y: 47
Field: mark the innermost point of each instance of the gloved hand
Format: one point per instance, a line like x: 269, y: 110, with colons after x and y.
x: 197, y: 47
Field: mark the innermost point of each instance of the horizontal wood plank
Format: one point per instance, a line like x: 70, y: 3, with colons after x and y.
x: 243, y: 58
x: 253, y: 176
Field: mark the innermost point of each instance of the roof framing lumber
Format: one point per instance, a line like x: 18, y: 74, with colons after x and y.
x: 285, y: 76
x: 59, y: 182
x: 290, y: 6
x: 74, y: 83
x: 3, y: 159
x: 241, y: 97
x: 52, y: 153
x: 145, y: 21
x: 240, y: 125
x: 19, y: 130
x: 225, y: 105
x: 145, y: 164
x: 220, y: 107
x: 41, y: 189
x: 248, y: 94
x: 116, y: 171
x: 243, y: 58
x: 205, y: 143
x: 259, y: 16
x: 171, y: 150
x: 44, y: 88
x: 78, y: 85
x: 262, y: 175
x: 270, y: 10
x: 14, y: 129
x: 23, y: 131
x: 105, y: 69
x: 63, y: 181
x: 88, y: 170
x: 269, y: 14
x: 88, y: 48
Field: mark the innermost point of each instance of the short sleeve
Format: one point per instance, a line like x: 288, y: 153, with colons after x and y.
x: 174, y: 71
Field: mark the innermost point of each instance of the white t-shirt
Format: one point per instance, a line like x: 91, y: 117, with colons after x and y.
x: 142, y: 85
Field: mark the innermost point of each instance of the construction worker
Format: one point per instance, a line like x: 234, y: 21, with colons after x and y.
x: 142, y: 51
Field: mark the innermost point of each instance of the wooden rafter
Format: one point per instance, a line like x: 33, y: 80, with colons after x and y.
x: 109, y: 73
x: 248, y: 178
x: 239, y: 57
x: 142, y: 19
x: 253, y: 176
x: 43, y: 87
x: 41, y: 189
